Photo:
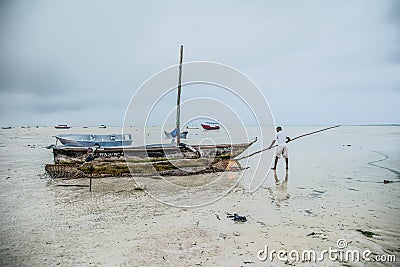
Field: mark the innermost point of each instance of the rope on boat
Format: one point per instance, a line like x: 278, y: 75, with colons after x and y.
x: 297, y: 137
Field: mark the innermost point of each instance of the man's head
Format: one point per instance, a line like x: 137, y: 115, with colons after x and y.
x: 279, y: 128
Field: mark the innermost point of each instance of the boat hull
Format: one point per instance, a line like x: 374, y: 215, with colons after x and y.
x: 72, y: 162
x: 156, y: 168
x: 62, y: 127
x: 91, y: 140
x: 79, y: 155
x: 209, y: 127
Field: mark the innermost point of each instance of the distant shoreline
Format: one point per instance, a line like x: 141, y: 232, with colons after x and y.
x: 285, y: 125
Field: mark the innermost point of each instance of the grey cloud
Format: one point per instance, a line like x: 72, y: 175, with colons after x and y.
x: 58, y: 56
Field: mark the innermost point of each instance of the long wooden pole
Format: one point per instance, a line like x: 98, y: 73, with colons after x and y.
x: 178, y: 101
x: 300, y: 136
x: 297, y: 137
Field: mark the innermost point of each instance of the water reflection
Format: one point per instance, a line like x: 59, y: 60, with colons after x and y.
x: 280, y: 195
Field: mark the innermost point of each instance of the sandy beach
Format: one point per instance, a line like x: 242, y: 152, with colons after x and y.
x: 334, y: 190
x: 98, y: 75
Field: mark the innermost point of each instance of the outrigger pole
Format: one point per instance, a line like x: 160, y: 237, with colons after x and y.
x: 297, y: 137
x: 178, y: 101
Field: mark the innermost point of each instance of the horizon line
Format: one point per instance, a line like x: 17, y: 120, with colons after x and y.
x: 317, y: 124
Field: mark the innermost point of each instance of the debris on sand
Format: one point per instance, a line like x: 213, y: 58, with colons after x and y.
x: 72, y: 185
x: 366, y: 233
x: 236, y: 217
x: 138, y: 187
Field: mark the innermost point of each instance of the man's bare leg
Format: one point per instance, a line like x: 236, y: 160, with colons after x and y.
x: 287, y: 163
x: 276, y: 162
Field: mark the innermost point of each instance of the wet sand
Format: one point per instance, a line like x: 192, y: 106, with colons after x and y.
x: 331, y: 192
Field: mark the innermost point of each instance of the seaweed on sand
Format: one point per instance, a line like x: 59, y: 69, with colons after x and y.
x: 366, y: 233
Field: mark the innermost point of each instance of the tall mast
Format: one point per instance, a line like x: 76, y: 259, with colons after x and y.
x: 178, y: 101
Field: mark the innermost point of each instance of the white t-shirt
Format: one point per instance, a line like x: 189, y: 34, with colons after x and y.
x: 281, y: 138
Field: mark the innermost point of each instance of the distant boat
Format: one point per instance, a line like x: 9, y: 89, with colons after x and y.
x: 210, y: 125
x: 92, y: 140
x: 62, y: 126
x: 172, y: 134
x: 192, y: 127
x: 102, y: 126
x: 6, y: 128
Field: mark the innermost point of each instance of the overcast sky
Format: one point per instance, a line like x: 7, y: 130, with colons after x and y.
x: 317, y: 62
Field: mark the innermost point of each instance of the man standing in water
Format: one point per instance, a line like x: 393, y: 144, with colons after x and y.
x: 281, y: 150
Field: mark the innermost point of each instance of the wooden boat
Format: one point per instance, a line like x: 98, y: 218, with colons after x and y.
x: 210, y: 126
x: 102, y: 126
x: 6, y: 127
x: 172, y: 134
x: 95, y: 140
x: 62, y: 126
x: 164, y: 160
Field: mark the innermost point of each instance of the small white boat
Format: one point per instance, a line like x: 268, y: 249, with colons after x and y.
x: 62, y: 126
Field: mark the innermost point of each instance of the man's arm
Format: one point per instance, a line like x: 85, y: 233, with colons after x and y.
x: 288, y: 139
x: 273, y: 142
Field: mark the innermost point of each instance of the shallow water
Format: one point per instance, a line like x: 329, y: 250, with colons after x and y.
x: 335, y: 180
